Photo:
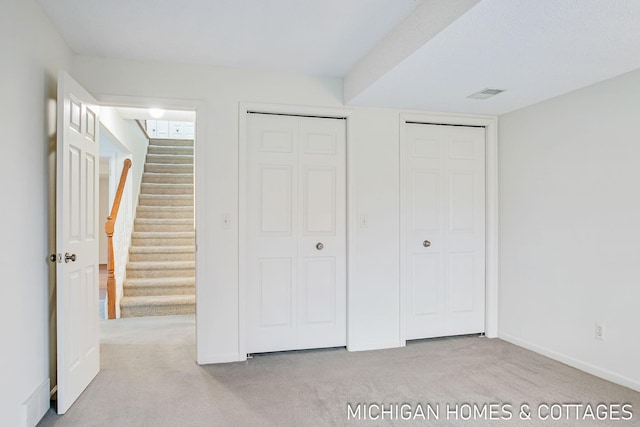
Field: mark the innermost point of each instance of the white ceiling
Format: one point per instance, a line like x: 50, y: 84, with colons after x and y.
x: 535, y: 49
x: 317, y: 37
x: 130, y: 113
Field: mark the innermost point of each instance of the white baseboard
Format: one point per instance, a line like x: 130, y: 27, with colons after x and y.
x: 222, y: 358
x: 578, y: 364
x: 375, y: 346
x: 34, y: 408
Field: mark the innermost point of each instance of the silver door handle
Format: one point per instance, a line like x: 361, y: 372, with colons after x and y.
x: 320, y: 246
x: 426, y: 243
x: 69, y: 257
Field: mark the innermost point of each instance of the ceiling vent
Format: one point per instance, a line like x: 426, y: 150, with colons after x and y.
x: 485, y: 93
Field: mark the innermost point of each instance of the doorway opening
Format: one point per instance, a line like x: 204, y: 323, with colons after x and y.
x: 81, y: 118
x: 148, y: 261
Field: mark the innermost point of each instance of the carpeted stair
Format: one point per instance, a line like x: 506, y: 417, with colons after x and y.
x: 161, y: 270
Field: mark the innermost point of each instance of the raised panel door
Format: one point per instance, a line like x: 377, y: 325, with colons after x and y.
x: 78, y: 347
x: 296, y: 244
x: 442, y: 264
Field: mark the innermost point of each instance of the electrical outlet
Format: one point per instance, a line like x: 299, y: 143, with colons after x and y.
x: 599, y: 331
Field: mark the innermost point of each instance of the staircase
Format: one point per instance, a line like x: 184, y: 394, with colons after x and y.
x: 161, y: 270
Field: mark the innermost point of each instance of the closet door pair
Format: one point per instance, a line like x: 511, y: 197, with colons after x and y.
x: 296, y: 233
x: 443, y: 230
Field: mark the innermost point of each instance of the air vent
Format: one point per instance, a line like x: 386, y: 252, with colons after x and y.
x: 485, y: 93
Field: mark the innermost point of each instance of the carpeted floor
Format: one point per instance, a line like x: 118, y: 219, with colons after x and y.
x: 149, y: 378
x: 102, y: 291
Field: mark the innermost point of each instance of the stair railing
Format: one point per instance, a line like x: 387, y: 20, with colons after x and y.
x: 109, y: 228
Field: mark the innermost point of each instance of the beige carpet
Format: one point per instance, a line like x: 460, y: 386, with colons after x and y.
x: 161, y: 269
x: 149, y: 378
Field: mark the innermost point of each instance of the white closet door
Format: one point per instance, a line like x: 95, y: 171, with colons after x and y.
x: 443, y: 209
x: 322, y: 234
x: 272, y: 230
x: 296, y: 290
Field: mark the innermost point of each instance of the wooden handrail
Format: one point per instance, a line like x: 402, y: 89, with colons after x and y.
x: 143, y: 129
x: 109, y: 227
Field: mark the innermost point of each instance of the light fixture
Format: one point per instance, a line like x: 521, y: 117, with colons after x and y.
x: 156, y: 113
x: 485, y: 93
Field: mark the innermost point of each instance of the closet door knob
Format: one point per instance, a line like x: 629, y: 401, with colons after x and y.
x: 320, y: 246
x: 69, y: 257
x: 426, y: 243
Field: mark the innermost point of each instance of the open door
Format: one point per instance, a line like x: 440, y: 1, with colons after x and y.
x: 77, y: 239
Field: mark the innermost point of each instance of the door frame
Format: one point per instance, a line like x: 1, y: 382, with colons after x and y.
x: 490, y: 123
x: 203, y: 317
x: 244, y: 109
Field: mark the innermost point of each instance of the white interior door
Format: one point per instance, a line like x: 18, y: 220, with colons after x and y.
x: 296, y: 233
x: 443, y: 209
x: 76, y: 241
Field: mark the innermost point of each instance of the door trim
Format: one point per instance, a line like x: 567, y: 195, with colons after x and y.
x: 244, y: 108
x: 490, y: 123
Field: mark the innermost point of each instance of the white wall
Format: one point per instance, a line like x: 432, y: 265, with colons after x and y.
x: 127, y: 137
x: 104, y: 213
x: 570, y: 228
x: 32, y: 52
x: 122, y: 139
x: 374, y: 290
x: 373, y: 308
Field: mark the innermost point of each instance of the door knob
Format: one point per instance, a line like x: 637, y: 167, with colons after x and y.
x: 320, y: 246
x: 68, y: 257
x: 426, y: 243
